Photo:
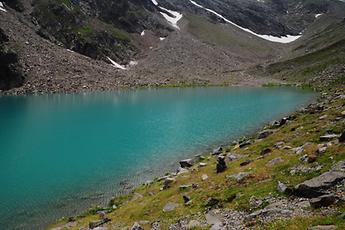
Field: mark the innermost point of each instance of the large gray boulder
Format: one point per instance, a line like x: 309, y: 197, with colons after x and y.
x: 315, y: 186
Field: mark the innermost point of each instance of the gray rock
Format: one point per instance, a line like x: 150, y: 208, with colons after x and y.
x: 202, y: 164
x: 186, y: 163
x: 342, y: 137
x: 304, y: 158
x: 313, y: 187
x: 323, y: 227
x: 221, y: 165
x: 271, y: 211
x: 136, y: 226
x: 243, y: 144
x: 170, y: 207
x: 217, y: 151
x: 185, y: 187
x: 281, y: 187
x: 328, y: 137
x: 168, y: 182
x: 234, y: 156
x: 265, y: 133
x: 204, y: 177
x: 240, y: 176
x: 279, y: 145
x: 214, y: 219
x: 321, y: 149
x: 323, y: 201
x: 298, y: 150
x: 274, y: 162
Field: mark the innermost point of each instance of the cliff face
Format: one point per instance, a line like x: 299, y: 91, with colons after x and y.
x: 10, y: 70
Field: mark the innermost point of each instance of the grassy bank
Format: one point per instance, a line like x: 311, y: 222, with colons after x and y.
x: 146, y: 203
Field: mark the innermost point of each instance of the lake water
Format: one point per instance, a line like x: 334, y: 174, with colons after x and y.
x: 60, y: 154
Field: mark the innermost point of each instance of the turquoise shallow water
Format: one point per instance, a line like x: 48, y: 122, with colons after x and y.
x: 59, y: 154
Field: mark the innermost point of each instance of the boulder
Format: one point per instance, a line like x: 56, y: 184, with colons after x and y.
x: 323, y: 201
x: 221, y: 165
x: 202, y: 164
x: 321, y: 149
x: 313, y: 187
x: 234, y: 156
x: 217, y: 151
x: 240, y: 176
x: 186, y: 163
x: 170, y: 207
x: 281, y: 187
x: 265, y: 133
x: 279, y: 145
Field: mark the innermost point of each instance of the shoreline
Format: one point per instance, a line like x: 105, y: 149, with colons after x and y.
x: 196, y: 158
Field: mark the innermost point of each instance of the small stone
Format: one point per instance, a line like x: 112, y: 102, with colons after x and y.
x: 342, y: 137
x: 328, y: 137
x: 202, y: 164
x: 212, y: 202
x: 312, y: 158
x: 343, y: 113
x: 298, y: 150
x: 279, y: 145
x: 234, y: 156
x: 281, y: 187
x: 274, y: 162
x: 204, y: 177
x: 247, y: 162
x: 266, y: 151
x: 186, y: 199
x: 323, y: 201
x: 185, y: 187
x: 221, y: 165
x: 242, y: 144
x: 265, y: 133
x: 136, y: 226
x: 217, y: 151
x: 186, y: 163
x: 323, y: 117
x: 321, y: 149
x: 169, y: 207
x: 304, y: 158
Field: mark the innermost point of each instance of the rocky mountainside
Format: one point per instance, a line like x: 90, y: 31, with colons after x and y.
x: 74, y: 45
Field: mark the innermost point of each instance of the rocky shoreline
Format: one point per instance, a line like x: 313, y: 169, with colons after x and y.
x: 312, y: 186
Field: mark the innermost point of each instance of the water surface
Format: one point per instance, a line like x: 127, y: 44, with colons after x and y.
x: 60, y: 154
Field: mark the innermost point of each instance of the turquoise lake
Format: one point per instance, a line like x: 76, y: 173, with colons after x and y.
x: 61, y: 154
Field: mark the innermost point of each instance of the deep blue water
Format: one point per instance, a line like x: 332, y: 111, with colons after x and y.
x: 60, y: 154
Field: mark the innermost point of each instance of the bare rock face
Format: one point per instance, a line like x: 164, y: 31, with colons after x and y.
x: 314, y: 187
x: 323, y: 201
x: 11, y: 75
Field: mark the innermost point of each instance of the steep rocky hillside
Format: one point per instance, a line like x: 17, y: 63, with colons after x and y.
x: 140, y: 43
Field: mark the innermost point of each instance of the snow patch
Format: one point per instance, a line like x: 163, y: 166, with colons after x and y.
x: 2, y: 8
x: 283, y: 39
x: 173, y: 20
x: 318, y: 15
x: 142, y: 33
x: 161, y: 38
x: 116, y: 65
x: 154, y: 2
